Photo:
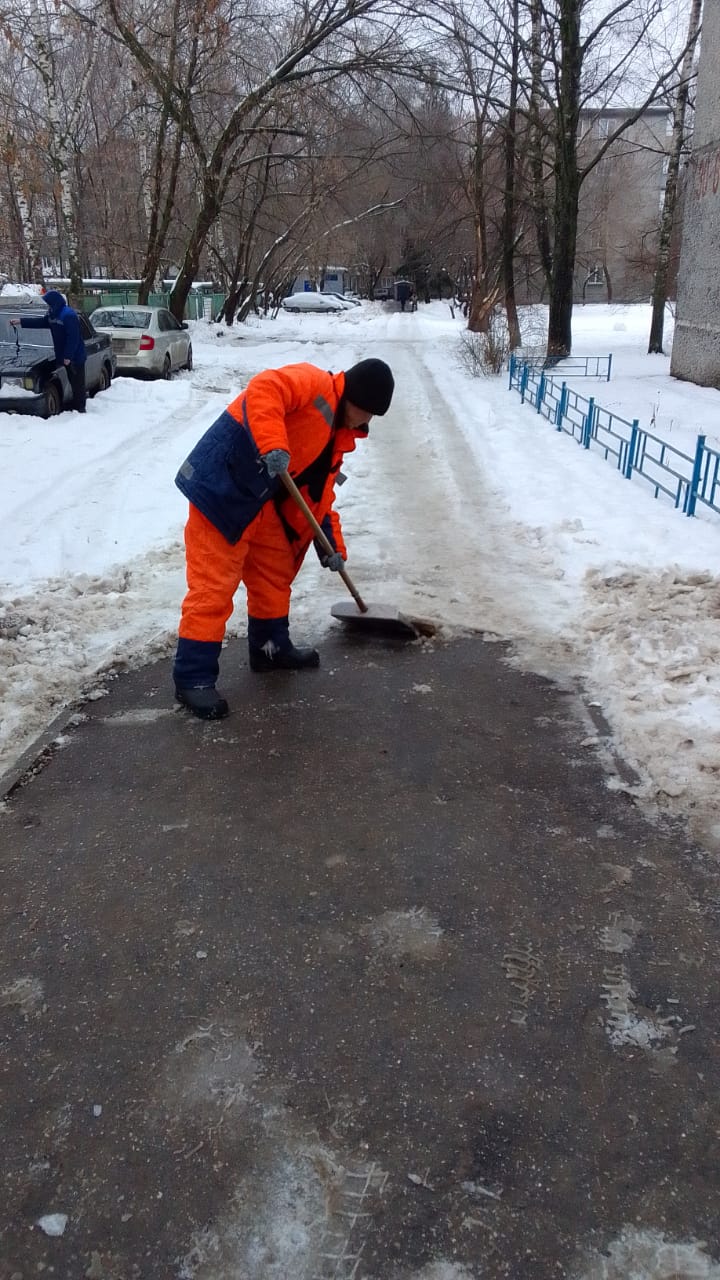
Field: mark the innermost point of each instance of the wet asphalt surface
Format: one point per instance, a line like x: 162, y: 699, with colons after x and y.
x: 385, y: 970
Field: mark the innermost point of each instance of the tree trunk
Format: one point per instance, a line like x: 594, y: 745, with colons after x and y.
x: 209, y: 211
x: 659, y: 298
x: 159, y: 224
x: 235, y: 286
x: 478, y: 316
x: 30, y: 259
x: 563, y: 273
x: 508, y: 219
x: 63, y: 120
x: 76, y: 289
x: 567, y: 181
x: 232, y: 300
x: 537, y: 148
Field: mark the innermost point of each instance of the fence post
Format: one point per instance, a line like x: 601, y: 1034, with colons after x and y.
x: 524, y: 376
x: 632, y: 449
x: 695, y: 482
x: 513, y: 358
x: 541, y: 393
x: 562, y: 407
x: 609, y: 366
x: 588, y: 424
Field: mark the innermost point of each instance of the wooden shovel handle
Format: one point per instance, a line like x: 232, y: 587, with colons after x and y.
x: 321, y: 536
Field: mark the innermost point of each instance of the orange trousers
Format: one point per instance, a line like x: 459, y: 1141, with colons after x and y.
x: 263, y: 559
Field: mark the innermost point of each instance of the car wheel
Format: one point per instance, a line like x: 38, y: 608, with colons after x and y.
x: 167, y: 369
x: 53, y: 401
x: 105, y: 378
x: 188, y: 362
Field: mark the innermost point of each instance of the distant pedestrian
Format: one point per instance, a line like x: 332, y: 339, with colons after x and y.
x: 403, y: 292
x: 64, y: 325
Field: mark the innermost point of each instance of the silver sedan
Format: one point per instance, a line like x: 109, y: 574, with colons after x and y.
x: 145, y: 339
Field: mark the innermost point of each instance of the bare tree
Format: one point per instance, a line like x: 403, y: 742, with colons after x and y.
x: 537, y: 147
x: 593, y: 53
x: 678, y: 141
x: 49, y: 44
x: 318, y: 42
x: 29, y: 260
x: 478, y: 55
x: 508, y: 234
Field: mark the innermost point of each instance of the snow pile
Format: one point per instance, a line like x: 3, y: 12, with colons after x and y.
x: 21, y: 292
x: 653, y: 651
x: 55, y: 642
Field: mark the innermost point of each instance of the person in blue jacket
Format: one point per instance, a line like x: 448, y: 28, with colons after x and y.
x: 63, y: 323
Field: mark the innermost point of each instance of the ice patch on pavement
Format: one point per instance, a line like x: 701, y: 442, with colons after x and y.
x: 405, y: 933
x: 293, y: 1204
x: 441, y: 1270
x: 53, y: 1224
x: 25, y: 994
x: 648, y: 1255
x: 267, y: 1232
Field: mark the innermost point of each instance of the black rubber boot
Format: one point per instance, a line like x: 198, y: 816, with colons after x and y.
x: 205, y: 703
x: 287, y: 659
x: 271, y: 649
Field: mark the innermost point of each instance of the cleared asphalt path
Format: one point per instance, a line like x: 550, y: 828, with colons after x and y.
x: 381, y: 977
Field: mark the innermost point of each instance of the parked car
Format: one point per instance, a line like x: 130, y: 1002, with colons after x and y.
x: 313, y: 302
x: 344, y: 298
x: 146, y: 340
x: 31, y: 381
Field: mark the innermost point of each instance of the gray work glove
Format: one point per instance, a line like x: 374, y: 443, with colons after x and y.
x: 333, y: 562
x: 276, y: 460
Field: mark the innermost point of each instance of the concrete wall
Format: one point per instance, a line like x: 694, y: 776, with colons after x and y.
x: 696, y: 346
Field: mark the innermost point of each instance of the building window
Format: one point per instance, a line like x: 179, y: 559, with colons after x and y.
x: 603, y: 127
x: 666, y: 166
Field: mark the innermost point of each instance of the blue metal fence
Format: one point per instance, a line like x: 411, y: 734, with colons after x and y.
x: 579, y: 366
x: 686, y: 479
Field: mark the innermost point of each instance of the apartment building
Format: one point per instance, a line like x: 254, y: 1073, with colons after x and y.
x: 696, y: 344
x: 620, y: 204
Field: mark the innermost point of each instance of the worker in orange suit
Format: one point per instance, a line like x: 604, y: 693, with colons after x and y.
x: 244, y: 527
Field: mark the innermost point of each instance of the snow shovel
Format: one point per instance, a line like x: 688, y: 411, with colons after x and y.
x: 372, y: 617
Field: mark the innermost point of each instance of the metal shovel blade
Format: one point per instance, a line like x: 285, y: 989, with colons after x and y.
x: 382, y: 619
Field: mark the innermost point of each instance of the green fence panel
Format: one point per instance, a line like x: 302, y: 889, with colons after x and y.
x: 197, y: 307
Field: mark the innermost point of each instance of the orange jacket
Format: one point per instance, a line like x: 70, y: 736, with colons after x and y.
x: 292, y: 408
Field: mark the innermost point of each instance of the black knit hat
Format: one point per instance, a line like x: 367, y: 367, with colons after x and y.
x: 369, y: 385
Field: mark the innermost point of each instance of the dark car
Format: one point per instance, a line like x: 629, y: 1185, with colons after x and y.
x: 31, y: 381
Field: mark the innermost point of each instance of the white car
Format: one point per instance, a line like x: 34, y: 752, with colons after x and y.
x: 348, y: 300
x: 313, y: 302
x: 145, y: 339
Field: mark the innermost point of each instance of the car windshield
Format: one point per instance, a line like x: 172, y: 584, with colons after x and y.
x: 125, y: 319
x: 26, y: 337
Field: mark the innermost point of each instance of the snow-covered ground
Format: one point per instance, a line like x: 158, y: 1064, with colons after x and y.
x: 463, y: 505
